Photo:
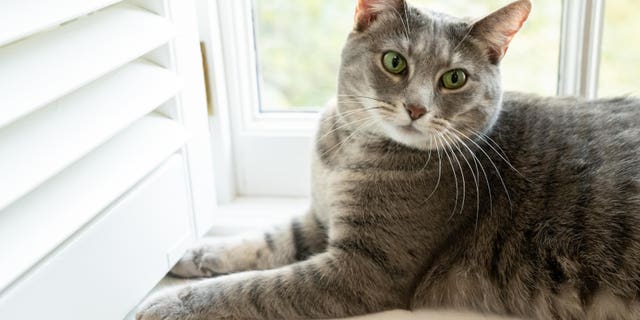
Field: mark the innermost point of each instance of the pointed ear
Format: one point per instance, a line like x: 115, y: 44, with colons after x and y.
x: 368, y: 10
x: 497, y: 29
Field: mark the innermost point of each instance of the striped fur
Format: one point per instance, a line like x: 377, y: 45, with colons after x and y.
x: 518, y: 205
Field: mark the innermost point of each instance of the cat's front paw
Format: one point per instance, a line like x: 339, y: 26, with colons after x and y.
x: 212, y: 258
x: 202, y: 260
x: 168, y: 305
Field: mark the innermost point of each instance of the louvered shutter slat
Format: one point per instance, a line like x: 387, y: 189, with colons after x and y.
x: 44, y: 67
x: 47, y: 141
x: 21, y: 18
x: 47, y: 216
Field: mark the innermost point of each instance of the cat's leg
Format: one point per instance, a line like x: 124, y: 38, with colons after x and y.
x: 329, y: 285
x: 301, y: 238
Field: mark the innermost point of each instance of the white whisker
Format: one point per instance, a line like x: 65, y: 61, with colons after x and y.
x: 492, y: 163
x: 343, y: 126
x: 455, y: 177
x: 439, y: 171
x: 341, y: 143
x: 486, y: 177
x: 475, y: 178
x: 405, y: 26
x: 428, y: 159
x: 501, y: 154
x: 406, y: 14
x: 455, y: 157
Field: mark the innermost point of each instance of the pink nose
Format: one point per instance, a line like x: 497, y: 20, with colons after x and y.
x: 416, y: 111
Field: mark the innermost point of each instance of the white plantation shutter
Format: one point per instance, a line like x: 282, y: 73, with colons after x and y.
x: 105, y: 167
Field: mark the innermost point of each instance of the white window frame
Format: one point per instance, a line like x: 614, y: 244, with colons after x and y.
x: 268, y: 154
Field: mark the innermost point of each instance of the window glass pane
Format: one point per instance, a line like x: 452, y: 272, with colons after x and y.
x: 298, y: 47
x: 620, y: 50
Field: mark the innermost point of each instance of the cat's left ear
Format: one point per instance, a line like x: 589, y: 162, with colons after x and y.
x: 368, y: 10
x: 497, y: 29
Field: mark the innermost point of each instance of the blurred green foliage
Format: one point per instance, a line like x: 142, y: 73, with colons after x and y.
x: 299, y: 43
x: 620, y: 49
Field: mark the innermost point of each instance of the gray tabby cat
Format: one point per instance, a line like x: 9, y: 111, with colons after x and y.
x: 433, y: 190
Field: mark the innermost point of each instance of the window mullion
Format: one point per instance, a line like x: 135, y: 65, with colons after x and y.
x: 582, y: 22
x: 592, y: 47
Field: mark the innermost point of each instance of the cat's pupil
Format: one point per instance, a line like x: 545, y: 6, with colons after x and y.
x: 454, y: 78
x: 395, y: 62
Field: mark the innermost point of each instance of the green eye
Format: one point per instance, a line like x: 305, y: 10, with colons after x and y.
x: 454, y: 79
x: 394, y: 62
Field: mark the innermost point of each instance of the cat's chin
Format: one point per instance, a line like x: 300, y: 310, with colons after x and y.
x: 411, y: 136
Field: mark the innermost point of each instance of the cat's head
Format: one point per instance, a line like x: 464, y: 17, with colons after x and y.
x: 422, y: 78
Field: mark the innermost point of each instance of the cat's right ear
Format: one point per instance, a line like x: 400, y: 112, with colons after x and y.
x: 368, y: 10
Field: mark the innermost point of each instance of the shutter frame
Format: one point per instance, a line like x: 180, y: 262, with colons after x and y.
x: 73, y: 162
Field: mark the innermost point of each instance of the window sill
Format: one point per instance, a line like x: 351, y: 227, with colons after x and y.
x: 251, y: 214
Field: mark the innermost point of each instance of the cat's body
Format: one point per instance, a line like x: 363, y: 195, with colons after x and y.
x: 515, y: 205
x: 564, y: 234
